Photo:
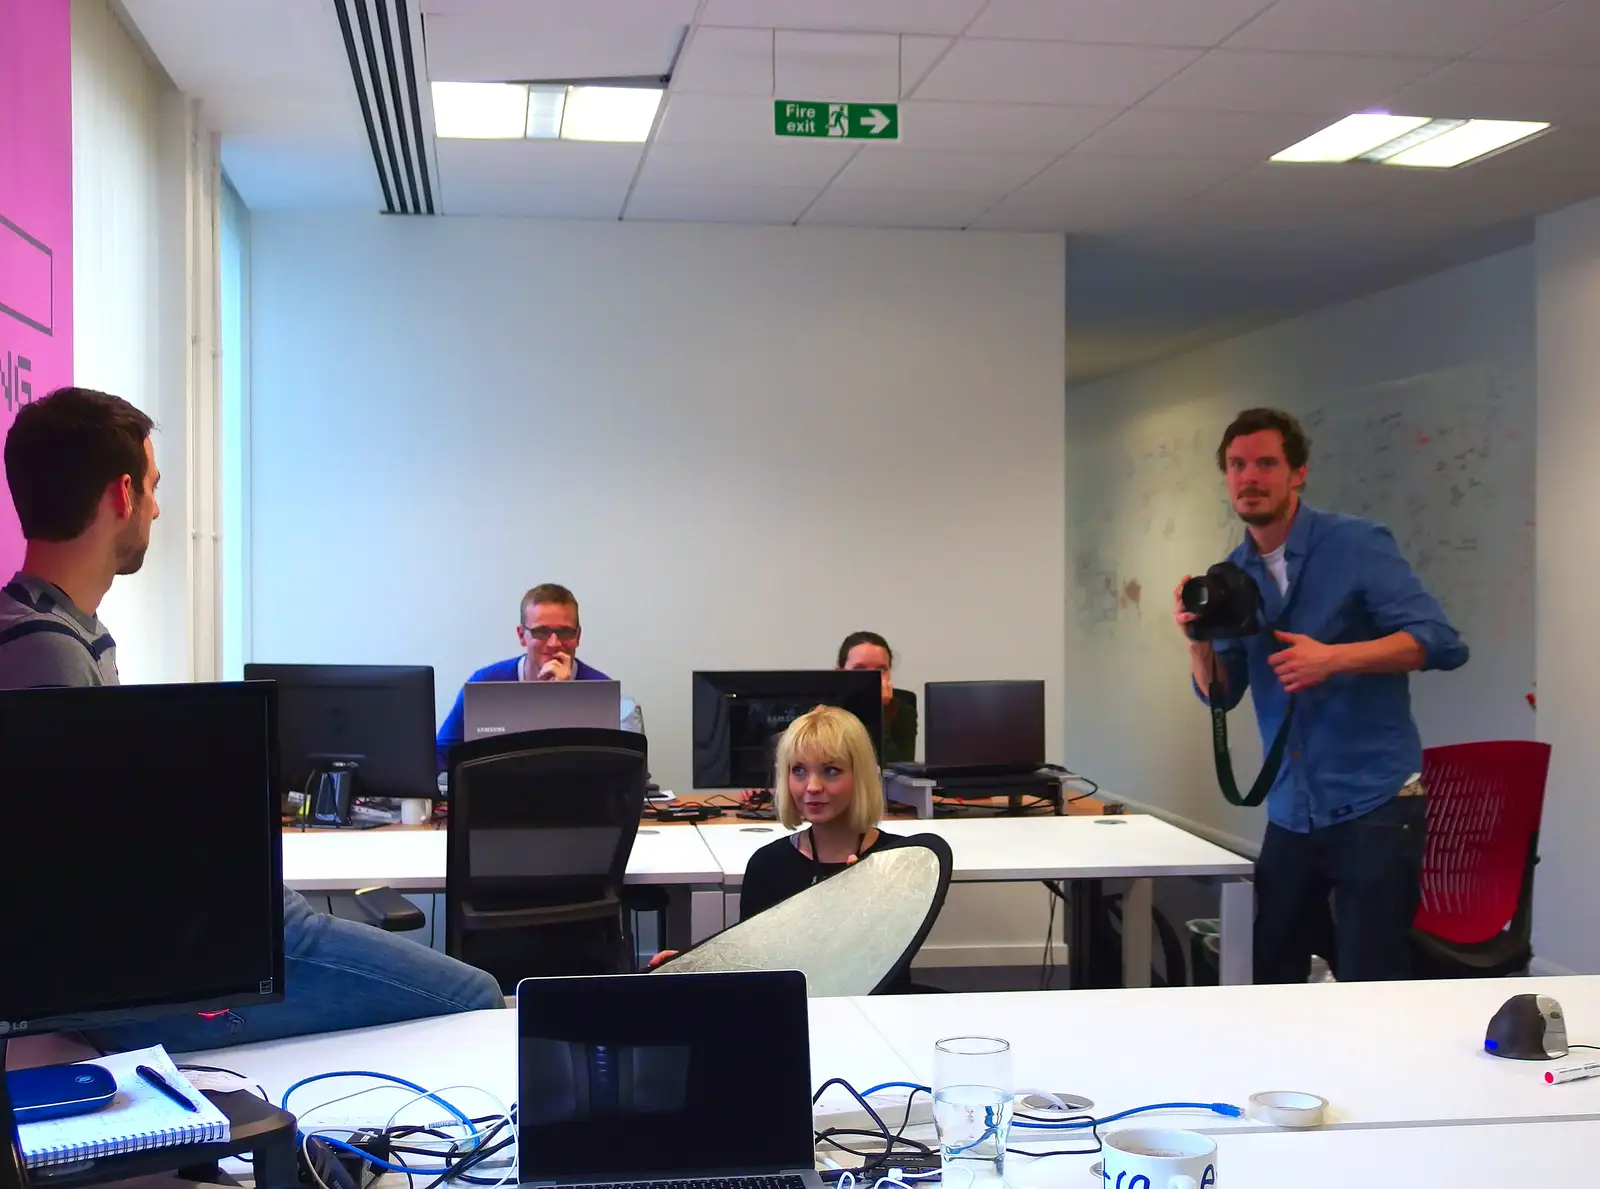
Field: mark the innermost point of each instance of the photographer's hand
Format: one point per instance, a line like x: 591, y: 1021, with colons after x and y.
x: 1304, y: 663
x: 1203, y: 665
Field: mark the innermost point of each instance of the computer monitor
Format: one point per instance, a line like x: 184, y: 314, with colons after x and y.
x: 984, y: 726
x: 146, y: 854
x: 378, y: 717
x: 739, y: 717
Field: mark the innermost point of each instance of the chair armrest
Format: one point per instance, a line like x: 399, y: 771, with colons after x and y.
x: 383, y: 908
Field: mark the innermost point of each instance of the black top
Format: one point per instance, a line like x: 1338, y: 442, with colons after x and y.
x: 900, y: 728
x: 780, y: 869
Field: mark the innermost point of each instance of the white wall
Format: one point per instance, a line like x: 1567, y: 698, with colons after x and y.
x: 1568, y: 245
x: 1419, y: 402
x: 736, y: 445
x: 142, y: 277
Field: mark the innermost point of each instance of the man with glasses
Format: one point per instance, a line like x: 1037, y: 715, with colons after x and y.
x: 549, y: 634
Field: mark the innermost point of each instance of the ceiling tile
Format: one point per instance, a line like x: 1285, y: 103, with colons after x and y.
x: 519, y: 45
x: 871, y: 16
x: 917, y: 56
x: 1051, y: 72
x: 518, y: 163
x: 898, y: 168
x: 208, y: 48
x: 1427, y: 29
x: 720, y: 204
x: 1507, y: 91
x: 1037, y: 210
x: 1082, y: 175
x: 1169, y: 131
x: 726, y: 62
x: 780, y: 163
x: 1567, y: 149
x: 998, y: 127
x: 1568, y: 34
x: 1312, y: 84
x: 849, y: 66
x: 1277, y: 185
x: 571, y: 200
x: 897, y: 208
x: 716, y: 119
x: 1123, y: 22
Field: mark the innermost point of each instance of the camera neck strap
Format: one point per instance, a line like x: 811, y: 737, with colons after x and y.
x: 1219, y: 727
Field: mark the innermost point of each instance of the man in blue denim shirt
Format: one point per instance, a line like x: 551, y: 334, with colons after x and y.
x: 1347, y: 813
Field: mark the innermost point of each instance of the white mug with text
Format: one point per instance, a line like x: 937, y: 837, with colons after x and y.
x: 1159, y: 1158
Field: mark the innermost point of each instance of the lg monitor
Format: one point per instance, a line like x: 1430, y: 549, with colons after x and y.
x: 376, y: 721
x: 145, y: 876
x: 739, y: 717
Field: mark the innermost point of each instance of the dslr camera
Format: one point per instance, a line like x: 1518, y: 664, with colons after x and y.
x: 1225, y: 601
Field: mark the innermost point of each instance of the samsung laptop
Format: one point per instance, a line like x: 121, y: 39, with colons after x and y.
x: 635, y: 1078
x: 508, y: 707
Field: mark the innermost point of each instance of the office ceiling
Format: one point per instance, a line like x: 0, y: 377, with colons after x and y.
x: 1140, y: 128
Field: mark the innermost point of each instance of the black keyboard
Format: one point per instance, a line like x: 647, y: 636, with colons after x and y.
x: 775, y: 1182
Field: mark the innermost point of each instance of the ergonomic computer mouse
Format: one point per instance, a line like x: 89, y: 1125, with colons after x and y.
x: 1527, y: 1028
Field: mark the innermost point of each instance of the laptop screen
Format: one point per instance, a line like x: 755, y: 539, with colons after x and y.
x: 663, y: 1075
x: 984, y: 723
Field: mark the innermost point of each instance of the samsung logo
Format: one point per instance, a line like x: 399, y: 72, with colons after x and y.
x: 491, y: 730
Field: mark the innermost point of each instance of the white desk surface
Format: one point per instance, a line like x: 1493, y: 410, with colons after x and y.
x: 414, y: 860
x: 1545, y: 1154
x: 480, y: 1049
x: 1026, y: 848
x: 1380, y: 1053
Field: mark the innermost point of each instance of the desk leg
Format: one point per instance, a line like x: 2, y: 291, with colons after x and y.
x: 1136, y: 905
x: 1085, y: 898
x: 1238, y: 932
x: 730, y: 909
x: 705, y: 913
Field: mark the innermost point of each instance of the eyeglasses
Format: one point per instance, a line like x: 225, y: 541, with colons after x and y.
x: 545, y: 635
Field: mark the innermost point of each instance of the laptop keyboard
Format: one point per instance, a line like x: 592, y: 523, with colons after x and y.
x: 775, y: 1182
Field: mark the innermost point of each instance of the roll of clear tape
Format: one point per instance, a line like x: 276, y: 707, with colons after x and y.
x: 1288, y: 1108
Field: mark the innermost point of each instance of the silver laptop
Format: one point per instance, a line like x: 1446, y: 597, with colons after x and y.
x: 506, y: 707
x: 638, y: 1078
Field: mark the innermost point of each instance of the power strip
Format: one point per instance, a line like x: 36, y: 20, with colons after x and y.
x: 838, y: 1109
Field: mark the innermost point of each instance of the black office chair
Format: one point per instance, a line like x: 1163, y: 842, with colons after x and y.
x: 541, y: 827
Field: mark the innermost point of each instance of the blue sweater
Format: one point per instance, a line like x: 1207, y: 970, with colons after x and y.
x: 453, y: 729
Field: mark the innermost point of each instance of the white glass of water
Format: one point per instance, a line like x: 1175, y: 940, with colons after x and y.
x: 972, y: 1094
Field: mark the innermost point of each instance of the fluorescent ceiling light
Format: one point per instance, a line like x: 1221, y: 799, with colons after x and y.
x: 480, y: 111
x: 544, y: 111
x: 1466, y: 142
x: 610, y: 113
x: 1351, y: 137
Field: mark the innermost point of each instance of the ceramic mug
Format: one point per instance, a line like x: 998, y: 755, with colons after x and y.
x: 1159, y: 1158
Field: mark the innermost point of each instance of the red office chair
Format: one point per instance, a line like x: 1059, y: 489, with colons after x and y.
x: 1484, y: 802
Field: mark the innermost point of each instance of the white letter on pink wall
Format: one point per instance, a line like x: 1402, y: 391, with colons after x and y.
x: 35, y: 217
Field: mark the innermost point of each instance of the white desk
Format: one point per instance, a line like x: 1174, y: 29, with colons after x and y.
x: 1136, y: 847
x: 414, y: 861
x: 480, y: 1049
x: 1544, y: 1154
x: 1382, y: 1054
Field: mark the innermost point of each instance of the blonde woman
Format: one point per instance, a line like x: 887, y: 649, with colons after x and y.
x: 827, y: 779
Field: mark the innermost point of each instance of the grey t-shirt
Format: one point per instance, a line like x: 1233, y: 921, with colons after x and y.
x: 46, y: 640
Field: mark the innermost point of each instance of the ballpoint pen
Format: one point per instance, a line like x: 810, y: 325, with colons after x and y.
x: 166, y: 1087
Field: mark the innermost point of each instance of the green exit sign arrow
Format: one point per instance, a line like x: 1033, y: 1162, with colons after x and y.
x: 840, y: 121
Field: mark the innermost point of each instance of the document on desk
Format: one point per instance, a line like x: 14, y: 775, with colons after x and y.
x: 141, y: 1116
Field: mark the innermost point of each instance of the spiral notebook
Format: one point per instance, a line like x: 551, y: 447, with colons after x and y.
x: 139, y: 1117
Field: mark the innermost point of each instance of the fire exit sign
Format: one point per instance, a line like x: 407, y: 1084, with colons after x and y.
x: 841, y: 121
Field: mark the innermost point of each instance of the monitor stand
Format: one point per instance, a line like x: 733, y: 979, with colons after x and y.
x: 254, y: 1126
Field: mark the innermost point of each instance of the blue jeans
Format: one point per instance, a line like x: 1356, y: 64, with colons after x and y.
x: 1372, y: 867
x: 338, y: 974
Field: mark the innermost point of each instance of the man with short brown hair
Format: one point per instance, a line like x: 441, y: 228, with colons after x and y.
x: 549, y: 630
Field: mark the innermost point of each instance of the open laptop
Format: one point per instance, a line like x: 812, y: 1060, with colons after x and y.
x: 980, y: 729
x: 639, y: 1078
x: 507, y: 707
